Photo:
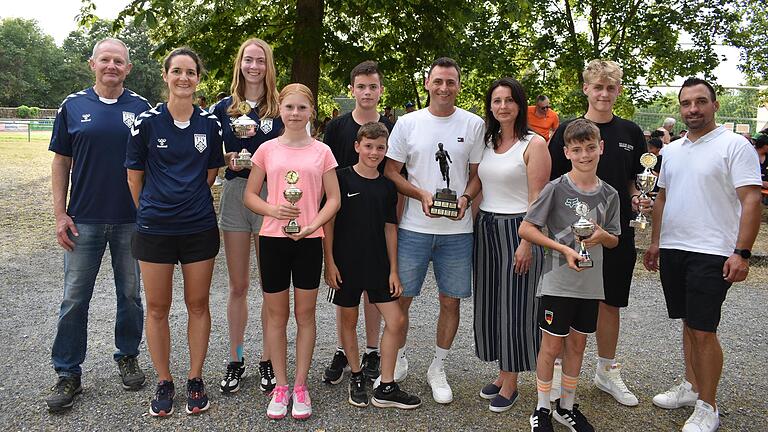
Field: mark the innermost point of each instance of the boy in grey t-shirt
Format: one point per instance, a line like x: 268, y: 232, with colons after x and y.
x: 569, y: 294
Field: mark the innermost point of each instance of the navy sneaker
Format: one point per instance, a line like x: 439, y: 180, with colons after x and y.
x: 197, y: 399
x: 489, y: 391
x: 500, y: 403
x: 162, y: 403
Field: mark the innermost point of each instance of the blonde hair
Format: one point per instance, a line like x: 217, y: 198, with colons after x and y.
x: 302, y: 90
x: 597, y: 70
x: 268, y: 105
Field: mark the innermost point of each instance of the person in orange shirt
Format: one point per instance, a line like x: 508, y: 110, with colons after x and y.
x: 541, y: 118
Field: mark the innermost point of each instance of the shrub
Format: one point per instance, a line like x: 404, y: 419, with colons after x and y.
x: 23, y: 111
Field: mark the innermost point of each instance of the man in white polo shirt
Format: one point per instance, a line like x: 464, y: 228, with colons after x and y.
x: 705, y: 220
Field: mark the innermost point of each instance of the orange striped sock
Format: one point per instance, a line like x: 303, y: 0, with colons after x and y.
x: 568, y: 391
x: 543, y: 388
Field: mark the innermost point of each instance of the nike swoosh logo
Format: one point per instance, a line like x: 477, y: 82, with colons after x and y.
x: 351, y: 195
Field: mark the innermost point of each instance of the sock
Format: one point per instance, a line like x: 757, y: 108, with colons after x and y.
x: 401, y: 353
x: 543, y: 388
x: 568, y: 391
x: 340, y: 349
x: 604, y: 364
x: 440, y: 355
x: 369, y: 350
x: 558, y: 362
x: 386, y: 388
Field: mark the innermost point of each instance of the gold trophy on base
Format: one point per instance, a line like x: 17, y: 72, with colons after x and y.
x: 444, y: 202
x: 243, y: 125
x: 583, y: 229
x: 645, y: 182
x: 292, y: 194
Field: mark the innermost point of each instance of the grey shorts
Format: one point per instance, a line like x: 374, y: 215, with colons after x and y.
x: 234, y: 216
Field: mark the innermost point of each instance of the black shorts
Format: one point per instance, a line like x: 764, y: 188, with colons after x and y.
x: 352, y: 288
x: 618, y: 265
x: 172, y: 249
x: 282, y: 259
x: 558, y: 315
x: 694, y: 287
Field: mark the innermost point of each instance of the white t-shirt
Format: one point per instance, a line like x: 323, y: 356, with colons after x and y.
x: 414, y: 142
x: 505, y: 179
x: 702, y: 209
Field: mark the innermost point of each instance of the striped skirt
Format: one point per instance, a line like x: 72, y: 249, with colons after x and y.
x: 505, y: 303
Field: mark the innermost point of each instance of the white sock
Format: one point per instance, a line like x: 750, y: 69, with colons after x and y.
x: 604, y: 364
x: 340, y: 349
x: 369, y: 350
x: 440, y: 355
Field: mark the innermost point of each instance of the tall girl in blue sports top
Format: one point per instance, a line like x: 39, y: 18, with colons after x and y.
x: 253, y: 82
x: 295, y: 155
x: 172, y: 158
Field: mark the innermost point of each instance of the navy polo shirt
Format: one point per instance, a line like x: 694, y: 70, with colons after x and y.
x: 267, y: 128
x: 176, y: 198
x: 94, y: 134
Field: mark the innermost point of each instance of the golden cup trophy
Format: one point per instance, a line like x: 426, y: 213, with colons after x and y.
x: 645, y: 182
x: 444, y: 202
x: 243, y: 126
x: 583, y: 229
x: 292, y: 194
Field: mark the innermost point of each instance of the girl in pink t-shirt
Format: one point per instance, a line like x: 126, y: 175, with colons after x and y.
x: 295, y: 157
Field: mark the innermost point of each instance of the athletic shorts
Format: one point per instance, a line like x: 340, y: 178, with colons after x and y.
x: 694, y: 287
x: 349, y: 294
x: 451, y: 256
x: 234, y: 215
x: 559, y: 315
x: 172, y: 249
x: 282, y: 259
x: 618, y: 265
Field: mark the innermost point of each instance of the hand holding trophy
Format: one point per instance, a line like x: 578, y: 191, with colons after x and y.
x: 244, y: 126
x: 645, y: 182
x: 292, y: 194
x: 583, y: 229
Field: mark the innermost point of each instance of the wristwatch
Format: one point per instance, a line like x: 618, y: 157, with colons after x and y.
x: 744, y: 253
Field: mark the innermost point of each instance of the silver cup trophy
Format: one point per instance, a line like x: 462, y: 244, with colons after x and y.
x: 582, y: 229
x: 243, y: 125
x: 292, y: 194
x: 645, y: 182
x: 243, y: 159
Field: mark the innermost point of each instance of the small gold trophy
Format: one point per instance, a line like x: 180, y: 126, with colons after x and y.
x: 243, y: 159
x: 292, y: 194
x: 582, y: 229
x: 645, y: 183
x: 444, y: 202
x: 243, y: 125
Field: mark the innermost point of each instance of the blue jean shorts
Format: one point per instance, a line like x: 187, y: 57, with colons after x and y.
x: 451, y: 256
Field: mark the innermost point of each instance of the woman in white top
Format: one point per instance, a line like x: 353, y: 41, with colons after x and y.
x: 514, y: 168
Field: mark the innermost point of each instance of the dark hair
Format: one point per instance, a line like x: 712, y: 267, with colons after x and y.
x: 541, y: 98
x: 691, y: 82
x: 444, y: 62
x: 581, y: 130
x: 367, y: 67
x: 372, y: 130
x: 186, y: 52
x: 492, y: 126
x: 655, y: 143
x: 657, y: 134
x: 760, y: 139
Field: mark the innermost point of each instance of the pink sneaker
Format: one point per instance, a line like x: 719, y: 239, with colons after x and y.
x: 278, y: 405
x: 302, y: 405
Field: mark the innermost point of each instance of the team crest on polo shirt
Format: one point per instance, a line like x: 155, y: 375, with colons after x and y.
x: 128, y: 118
x: 627, y: 147
x: 200, y: 142
x: 266, y: 125
x: 549, y: 316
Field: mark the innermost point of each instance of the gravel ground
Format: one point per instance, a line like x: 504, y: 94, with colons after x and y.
x: 31, y: 289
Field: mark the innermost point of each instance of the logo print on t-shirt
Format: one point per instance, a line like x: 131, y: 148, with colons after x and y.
x: 200, y: 142
x: 128, y: 118
x: 161, y: 143
x: 352, y: 194
x: 266, y: 125
x: 460, y: 139
x: 86, y: 118
x: 627, y: 147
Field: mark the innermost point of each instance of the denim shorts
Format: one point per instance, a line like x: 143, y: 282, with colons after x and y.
x: 451, y: 256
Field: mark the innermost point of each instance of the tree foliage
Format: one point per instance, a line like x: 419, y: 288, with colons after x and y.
x: 29, y: 63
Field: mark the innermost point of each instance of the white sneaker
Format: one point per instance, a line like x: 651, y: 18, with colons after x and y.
x: 678, y: 396
x: 301, y: 408
x: 704, y: 419
x: 557, y: 378
x: 610, y: 382
x: 441, y: 391
x: 401, y: 369
x: 278, y: 405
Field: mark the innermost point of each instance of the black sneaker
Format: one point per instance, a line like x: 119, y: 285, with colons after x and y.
x: 370, y: 365
x: 235, y: 373
x: 267, y: 373
x: 63, y: 394
x: 130, y: 373
x: 541, y: 420
x: 334, y: 373
x: 162, y: 403
x: 197, y: 399
x: 572, y: 419
x: 390, y: 396
x: 358, y: 395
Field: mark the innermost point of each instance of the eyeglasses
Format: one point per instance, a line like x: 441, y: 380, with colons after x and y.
x: 545, y: 107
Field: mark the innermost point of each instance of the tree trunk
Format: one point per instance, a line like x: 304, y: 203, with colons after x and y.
x: 307, y: 44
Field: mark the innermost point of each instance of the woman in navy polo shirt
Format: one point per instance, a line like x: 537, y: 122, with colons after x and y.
x: 172, y: 159
x: 253, y: 83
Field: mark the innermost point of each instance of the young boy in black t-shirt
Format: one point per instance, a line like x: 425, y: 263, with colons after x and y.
x: 360, y: 248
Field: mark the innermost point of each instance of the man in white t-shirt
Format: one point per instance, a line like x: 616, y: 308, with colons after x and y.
x: 705, y: 220
x: 422, y: 237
